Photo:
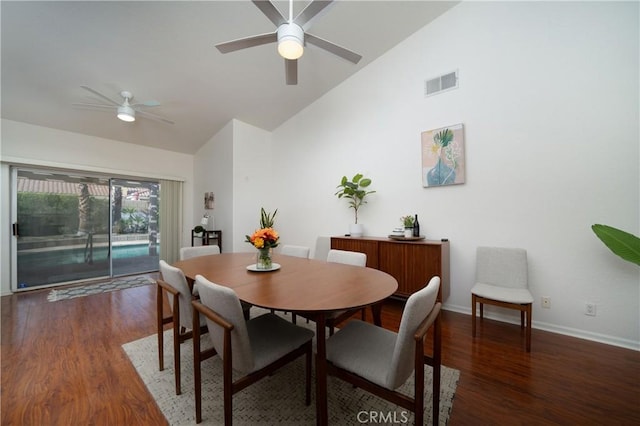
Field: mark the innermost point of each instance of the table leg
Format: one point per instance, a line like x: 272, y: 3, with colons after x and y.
x: 376, y: 311
x: 321, y: 371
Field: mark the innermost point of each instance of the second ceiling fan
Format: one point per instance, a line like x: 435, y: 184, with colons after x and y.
x: 291, y: 36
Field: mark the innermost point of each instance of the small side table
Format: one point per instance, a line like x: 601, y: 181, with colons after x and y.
x: 207, y: 237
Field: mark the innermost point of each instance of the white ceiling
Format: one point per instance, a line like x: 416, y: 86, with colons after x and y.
x: 164, y: 51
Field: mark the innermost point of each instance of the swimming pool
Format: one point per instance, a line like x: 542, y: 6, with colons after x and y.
x: 76, y: 255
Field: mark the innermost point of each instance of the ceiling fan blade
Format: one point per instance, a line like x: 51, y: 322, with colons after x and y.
x: 146, y: 104
x: 291, y: 71
x: 314, y: 8
x: 333, y: 48
x: 93, y: 105
x: 151, y: 116
x: 111, y: 101
x: 270, y: 11
x: 243, y: 43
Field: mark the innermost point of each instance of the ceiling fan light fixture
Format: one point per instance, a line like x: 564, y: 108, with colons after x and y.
x: 126, y: 113
x: 290, y: 41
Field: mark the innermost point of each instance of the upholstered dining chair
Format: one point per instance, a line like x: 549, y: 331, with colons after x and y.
x: 297, y: 251
x: 253, y: 349
x: 334, y: 317
x: 190, y: 252
x: 179, y: 296
x: 347, y: 257
x: 379, y: 361
x: 501, y: 280
x: 196, y: 251
x: 323, y: 245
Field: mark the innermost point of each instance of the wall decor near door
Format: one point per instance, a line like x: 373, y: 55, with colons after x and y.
x: 209, y: 199
x: 443, y: 156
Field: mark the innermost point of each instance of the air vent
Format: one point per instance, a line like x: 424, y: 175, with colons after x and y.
x: 441, y: 84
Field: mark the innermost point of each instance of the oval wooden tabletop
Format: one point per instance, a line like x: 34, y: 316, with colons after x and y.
x: 299, y: 284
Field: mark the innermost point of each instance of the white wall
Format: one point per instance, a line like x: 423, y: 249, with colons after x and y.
x: 27, y: 144
x: 236, y: 165
x: 549, y: 99
x: 252, y: 181
x: 213, y: 168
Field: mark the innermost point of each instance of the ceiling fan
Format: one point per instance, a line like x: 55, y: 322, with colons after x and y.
x: 291, y: 36
x: 126, y: 111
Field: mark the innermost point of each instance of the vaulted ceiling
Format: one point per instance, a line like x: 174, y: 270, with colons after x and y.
x: 165, y: 51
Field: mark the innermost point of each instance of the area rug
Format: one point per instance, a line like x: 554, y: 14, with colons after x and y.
x: 104, y: 287
x: 277, y: 399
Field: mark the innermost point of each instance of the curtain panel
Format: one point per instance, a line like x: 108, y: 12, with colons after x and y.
x: 170, y: 220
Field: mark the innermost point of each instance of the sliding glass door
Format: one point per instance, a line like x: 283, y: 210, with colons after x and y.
x: 74, y: 227
x: 134, y: 226
x: 61, y: 228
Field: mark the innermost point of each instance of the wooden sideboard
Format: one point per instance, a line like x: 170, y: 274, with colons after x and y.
x: 411, y: 263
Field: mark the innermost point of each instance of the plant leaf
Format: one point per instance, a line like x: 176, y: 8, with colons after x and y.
x: 365, y: 182
x: 622, y: 243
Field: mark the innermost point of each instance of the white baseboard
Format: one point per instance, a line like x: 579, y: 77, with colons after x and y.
x: 553, y: 328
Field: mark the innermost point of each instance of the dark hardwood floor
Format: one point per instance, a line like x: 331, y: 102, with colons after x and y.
x: 62, y: 364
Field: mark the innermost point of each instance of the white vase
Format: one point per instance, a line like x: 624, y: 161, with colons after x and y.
x: 356, y: 230
x: 408, y: 232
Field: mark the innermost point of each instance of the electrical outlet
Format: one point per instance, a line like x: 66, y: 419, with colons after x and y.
x: 590, y: 309
x: 545, y: 302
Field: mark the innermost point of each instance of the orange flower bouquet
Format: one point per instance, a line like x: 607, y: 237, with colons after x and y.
x: 264, y: 239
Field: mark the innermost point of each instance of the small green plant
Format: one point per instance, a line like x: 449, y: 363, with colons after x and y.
x: 407, y: 221
x: 355, y: 191
x: 267, y: 219
x: 198, y: 229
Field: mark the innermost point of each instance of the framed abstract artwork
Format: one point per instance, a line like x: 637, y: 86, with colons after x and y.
x: 443, y: 156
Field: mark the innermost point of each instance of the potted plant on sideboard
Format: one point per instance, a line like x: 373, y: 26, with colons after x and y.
x: 355, y: 190
x: 408, y: 222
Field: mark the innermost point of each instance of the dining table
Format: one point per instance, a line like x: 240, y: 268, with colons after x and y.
x: 297, y: 284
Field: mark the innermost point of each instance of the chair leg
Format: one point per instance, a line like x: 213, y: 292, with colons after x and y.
x: 308, y: 374
x: 228, y: 398
x: 473, y: 315
x: 437, y: 362
x: 528, y: 329
x: 197, y: 372
x: 176, y: 346
x: 522, y: 319
x: 160, y: 323
x: 418, y: 387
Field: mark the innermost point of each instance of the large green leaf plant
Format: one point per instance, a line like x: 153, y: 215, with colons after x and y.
x: 622, y: 243
x: 355, y: 190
